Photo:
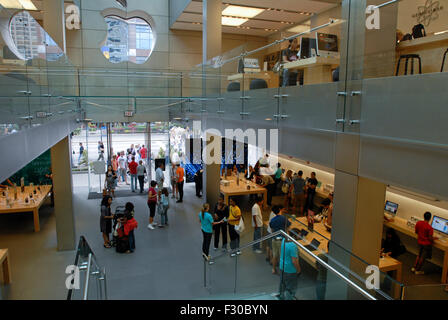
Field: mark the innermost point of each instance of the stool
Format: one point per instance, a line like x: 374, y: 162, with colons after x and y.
x: 258, y: 84
x: 233, y: 86
x: 409, y: 57
x: 443, y: 61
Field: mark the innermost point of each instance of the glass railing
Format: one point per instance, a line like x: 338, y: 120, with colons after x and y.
x: 348, y: 263
x: 249, y: 273
x: 426, y: 292
x: 89, y: 279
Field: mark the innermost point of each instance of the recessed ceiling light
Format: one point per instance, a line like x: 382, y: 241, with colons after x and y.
x: 18, y: 4
x: 234, y: 22
x: 268, y: 119
x: 243, y: 12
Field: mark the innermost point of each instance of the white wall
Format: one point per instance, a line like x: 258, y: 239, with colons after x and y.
x: 408, y: 8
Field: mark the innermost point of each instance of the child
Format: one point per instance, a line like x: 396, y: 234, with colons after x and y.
x: 163, y: 209
x: 129, y: 224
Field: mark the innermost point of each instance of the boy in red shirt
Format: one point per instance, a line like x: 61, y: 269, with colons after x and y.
x: 425, y: 240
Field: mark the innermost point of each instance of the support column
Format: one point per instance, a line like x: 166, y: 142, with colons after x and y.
x: 211, y: 29
x: 357, y: 218
x: 211, y: 177
x: 63, y: 193
x: 54, y: 21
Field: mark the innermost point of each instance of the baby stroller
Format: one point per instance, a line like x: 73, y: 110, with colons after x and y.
x: 119, y: 213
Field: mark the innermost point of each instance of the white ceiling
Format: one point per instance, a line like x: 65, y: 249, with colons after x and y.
x: 279, y: 15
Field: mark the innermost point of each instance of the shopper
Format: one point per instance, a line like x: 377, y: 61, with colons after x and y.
x: 234, y: 220
x: 250, y: 174
x: 160, y: 178
x: 280, y: 222
x: 221, y: 214
x: 106, y: 219
x: 141, y: 172
x: 288, y: 55
x: 425, y: 241
x: 122, y: 163
x: 180, y: 182
x: 207, y: 223
x: 81, y: 152
x: 129, y: 225
x: 290, y: 266
x: 110, y: 181
x: 269, y: 184
x: 278, y: 177
x: 391, y: 246
x: 287, y: 189
x: 310, y: 192
x: 298, y: 193
x: 257, y: 223
x: 321, y: 279
x: 174, y: 181
x: 114, y: 163
x: 164, y: 206
x: 272, y: 215
x: 100, y: 151
x: 198, y: 182
x: 144, y: 154
x: 152, y: 203
x: 133, y: 172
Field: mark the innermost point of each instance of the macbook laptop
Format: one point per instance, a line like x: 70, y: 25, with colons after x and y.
x: 313, y: 245
x: 303, y: 233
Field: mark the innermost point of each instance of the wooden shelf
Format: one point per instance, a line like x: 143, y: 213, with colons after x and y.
x: 432, y: 39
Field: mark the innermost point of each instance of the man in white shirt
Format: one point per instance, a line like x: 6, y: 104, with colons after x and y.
x: 257, y: 223
x: 160, y: 176
x: 122, y: 164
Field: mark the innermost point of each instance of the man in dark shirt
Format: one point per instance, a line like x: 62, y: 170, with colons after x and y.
x: 279, y: 222
x: 221, y: 212
x: 311, y: 192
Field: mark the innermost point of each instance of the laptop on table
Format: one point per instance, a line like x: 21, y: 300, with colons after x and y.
x: 313, y: 245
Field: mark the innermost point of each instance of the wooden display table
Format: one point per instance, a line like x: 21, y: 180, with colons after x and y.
x: 20, y: 206
x: 234, y: 190
x: 4, y: 262
x: 316, y: 69
x: 400, y: 225
x: 270, y: 77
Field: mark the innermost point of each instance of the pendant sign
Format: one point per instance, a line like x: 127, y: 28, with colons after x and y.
x: 129, y: 113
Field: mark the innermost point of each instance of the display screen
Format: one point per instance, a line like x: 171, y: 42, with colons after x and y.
x: 440, y: 224
x: 327, y: 42
x: 391, y: 207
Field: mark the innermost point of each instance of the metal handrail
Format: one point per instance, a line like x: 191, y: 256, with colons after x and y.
x: 322, y: 262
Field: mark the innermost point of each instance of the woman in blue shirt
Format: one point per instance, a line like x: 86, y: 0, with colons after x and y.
x: 206, y: 220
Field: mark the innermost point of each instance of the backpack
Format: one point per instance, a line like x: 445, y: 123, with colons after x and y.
x: 418, y: 31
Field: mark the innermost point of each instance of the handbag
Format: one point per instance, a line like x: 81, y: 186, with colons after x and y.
x: 285, y: 187
x: 240, y: 227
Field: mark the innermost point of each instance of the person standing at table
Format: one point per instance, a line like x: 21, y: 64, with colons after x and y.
x: 152, y: 203
x: 133, y: 171
x: 207, y: 223
x: 289, y: 264
x: 269, y: 184
x: 234, y: 220
x: 198, y: 182
x: 221, y: 214
x: 287, y: 186
x: 257, y: 223
x: 290, y: 54
x: 278, y: 177
x: 141, y: 171
x: 106, y: 219
x: 425, y: 241
x: 298, y: 193
x: 180, y: 182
